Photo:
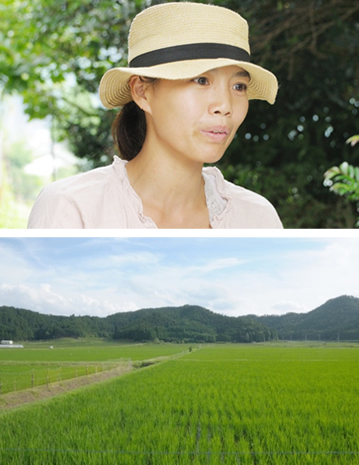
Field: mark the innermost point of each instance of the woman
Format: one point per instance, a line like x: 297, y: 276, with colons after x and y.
x: 183, y: 97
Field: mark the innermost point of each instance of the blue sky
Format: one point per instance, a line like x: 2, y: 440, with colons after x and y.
x: 232, y: 276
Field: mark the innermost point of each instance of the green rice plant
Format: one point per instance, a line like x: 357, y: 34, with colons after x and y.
x: 17, y: 377
x: 89, y: 352
x: 221, y: 405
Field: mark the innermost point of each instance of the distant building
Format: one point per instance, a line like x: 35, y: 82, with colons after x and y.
x: 10, y: 345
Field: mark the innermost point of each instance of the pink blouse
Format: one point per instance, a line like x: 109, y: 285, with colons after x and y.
x: 103, y: 198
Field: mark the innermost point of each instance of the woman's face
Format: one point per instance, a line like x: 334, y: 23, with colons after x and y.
x: 196, y: 118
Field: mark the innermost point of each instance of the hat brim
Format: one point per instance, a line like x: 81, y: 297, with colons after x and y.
x: 115, y: 90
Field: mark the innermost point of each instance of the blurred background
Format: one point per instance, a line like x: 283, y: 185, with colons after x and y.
x: 53, y: 54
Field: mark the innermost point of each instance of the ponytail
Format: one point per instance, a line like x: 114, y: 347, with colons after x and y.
x: 129, y: 130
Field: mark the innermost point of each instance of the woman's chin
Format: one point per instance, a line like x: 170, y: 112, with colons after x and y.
x: 212, y: 158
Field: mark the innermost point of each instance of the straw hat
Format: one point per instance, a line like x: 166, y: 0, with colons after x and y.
x: 181, y: 41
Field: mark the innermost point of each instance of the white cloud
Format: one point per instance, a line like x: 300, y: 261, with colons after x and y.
x: 271, y: 282
x: 45, y: 300
x: 219, y: 264
x: 10, y: 294
x: 140, y: 258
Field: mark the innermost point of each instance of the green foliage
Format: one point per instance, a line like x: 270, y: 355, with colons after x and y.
x: 344, y: 179
x: 55, y: 53
x: 13, y: 214
x: 353, y: 140
x: 14, y: 206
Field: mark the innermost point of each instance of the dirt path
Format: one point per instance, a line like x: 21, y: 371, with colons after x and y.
x: 27, y: 396
x: 13, y: 400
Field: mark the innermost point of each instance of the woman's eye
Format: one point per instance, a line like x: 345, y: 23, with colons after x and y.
x: 202, y: 81
x: 240, y: 87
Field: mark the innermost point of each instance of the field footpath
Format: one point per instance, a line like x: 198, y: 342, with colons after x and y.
x: 21, y: 398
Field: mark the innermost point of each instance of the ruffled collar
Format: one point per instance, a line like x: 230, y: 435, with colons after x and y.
x: 217, y: 198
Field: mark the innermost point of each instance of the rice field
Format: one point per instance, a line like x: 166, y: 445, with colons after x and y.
x: 17, y: 377
x: 222, y: 404
x: 88, y: 351
x: 40, y: 364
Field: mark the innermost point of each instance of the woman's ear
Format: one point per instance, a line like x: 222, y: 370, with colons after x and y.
x: 138, y: 92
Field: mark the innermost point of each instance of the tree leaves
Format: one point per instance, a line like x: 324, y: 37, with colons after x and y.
x: 353, y: 140
x: 344, y: 181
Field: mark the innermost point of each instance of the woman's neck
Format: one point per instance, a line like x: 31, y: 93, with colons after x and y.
x: 171, y: 190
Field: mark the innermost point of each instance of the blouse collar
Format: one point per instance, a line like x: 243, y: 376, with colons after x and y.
x: 217, y: 197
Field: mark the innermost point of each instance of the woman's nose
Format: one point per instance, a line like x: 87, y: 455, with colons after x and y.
x: 221, y: 102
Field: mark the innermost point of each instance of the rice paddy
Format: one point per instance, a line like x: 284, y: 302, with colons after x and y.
x: 221, y: 404
x: 41, y: 364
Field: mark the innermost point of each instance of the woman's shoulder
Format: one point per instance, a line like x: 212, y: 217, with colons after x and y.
x: 243, y: 208
x: 87, y: 181
x: 71, y: 201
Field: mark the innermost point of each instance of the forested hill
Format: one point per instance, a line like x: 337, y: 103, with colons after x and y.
x: 337, y: 318
x: 188, y: 323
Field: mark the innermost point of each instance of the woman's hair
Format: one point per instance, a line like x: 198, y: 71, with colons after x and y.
x: 129, y: 128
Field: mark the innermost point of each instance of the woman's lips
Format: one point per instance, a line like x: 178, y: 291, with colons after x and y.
x: 216, y: 133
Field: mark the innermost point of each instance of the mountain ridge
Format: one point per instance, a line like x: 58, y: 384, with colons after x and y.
x: 336, y: 318
x: 189, y: 323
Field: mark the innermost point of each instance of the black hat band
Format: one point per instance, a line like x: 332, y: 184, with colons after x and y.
x: 189, y: 52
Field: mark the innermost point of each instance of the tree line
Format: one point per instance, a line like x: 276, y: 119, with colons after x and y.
x: 183, y: 324
x: 336, y: 319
